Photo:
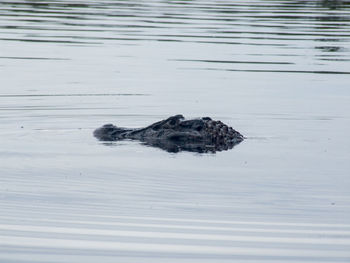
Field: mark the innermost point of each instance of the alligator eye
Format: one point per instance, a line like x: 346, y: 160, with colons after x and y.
x: 198, y: 128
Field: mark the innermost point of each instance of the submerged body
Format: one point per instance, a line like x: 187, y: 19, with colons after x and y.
x: 176, y: 134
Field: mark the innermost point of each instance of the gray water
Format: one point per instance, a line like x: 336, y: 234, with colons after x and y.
x: 277, y: 71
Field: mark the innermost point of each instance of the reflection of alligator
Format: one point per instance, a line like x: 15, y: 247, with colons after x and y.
x: 176, y: 134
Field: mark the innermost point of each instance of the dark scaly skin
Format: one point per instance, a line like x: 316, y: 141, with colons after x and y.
x: 177, y: 134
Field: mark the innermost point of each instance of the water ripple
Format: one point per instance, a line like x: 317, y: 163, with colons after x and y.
x: 272, y: 24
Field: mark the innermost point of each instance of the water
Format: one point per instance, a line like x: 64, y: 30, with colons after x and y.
x: 277, y: 71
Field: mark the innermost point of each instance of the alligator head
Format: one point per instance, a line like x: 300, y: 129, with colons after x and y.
x: 177, y: 134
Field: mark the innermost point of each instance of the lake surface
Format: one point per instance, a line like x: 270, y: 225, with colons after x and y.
x: 277, y: 71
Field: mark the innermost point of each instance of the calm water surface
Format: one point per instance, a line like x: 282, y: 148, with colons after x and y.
x: 277, y: 71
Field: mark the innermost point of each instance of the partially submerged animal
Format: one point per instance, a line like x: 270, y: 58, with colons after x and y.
x: 177, y: 134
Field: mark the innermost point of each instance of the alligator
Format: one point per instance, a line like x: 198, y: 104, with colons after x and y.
x: 176, y: 134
